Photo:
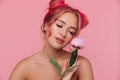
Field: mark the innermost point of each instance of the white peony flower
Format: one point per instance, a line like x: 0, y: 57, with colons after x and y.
x: 78, y: 43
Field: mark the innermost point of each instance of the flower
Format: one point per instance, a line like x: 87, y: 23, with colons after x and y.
x: 78, y: 43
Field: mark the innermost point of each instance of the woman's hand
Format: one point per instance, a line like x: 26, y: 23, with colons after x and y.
x: 69, y: 74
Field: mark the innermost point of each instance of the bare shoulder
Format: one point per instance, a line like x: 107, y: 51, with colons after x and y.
x: 85, y: 69
x: 84, y: 61
x: 22, y: 68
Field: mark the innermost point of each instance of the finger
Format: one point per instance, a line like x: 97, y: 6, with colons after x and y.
x: 78, y: 63
x: 64, y: 65
x: 69, y: 74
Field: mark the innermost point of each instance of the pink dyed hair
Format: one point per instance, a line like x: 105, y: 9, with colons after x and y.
x: 57, y: 8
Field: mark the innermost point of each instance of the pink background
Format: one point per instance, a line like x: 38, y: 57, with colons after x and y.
x: 20, y: 35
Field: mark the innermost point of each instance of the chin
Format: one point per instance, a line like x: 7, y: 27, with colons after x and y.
x: 57, y: 46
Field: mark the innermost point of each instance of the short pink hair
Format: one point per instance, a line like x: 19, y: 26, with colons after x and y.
x: 57, y: 8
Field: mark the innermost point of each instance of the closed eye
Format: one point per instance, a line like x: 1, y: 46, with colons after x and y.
x: 72, y: 33
x: 72, y: 30
x: 60, y: 26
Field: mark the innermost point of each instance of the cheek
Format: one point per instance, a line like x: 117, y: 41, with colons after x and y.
x: 54, y: 29
x: 69, y: 37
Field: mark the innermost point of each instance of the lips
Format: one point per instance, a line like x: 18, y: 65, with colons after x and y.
x: 59, y: 40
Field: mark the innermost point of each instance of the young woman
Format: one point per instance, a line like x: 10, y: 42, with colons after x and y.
x: 60, y: 25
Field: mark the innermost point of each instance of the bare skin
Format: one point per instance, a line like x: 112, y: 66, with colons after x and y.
x: 39, y: 67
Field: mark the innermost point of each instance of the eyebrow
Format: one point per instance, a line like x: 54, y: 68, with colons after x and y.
x: 62, y: 21
x: 73, y: 28
x: 65, y: 23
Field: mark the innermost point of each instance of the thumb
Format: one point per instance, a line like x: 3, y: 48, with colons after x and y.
x: 64, y: 65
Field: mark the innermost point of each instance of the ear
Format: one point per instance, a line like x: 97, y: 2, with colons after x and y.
x: 45, y: 28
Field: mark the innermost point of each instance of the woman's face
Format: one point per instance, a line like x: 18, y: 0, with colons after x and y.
x: 62, y: 30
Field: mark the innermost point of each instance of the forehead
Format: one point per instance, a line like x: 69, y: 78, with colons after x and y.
x: 69, y: 19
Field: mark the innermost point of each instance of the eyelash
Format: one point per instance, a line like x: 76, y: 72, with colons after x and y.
x: 59, y: 26
x: 72, y: 33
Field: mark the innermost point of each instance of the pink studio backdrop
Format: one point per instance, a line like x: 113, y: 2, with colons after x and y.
x: 20, y: 35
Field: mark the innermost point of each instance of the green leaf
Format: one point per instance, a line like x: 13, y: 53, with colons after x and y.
x: 55, y: 63
x: 73, y: 57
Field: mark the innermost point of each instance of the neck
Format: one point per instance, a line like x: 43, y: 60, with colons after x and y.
x: 47, y: 50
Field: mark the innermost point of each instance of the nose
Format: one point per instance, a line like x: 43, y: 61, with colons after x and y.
x: 63, y: 32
